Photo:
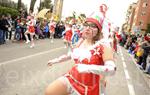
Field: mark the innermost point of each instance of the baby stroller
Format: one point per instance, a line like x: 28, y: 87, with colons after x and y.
x: 18, y: 34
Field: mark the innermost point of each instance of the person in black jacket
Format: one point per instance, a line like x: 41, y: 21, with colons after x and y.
x: 146, y: 47
x: 1, y: 32
x: 9, y: 28
x: 4, y: 27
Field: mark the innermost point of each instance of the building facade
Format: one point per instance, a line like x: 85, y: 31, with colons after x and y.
x: 130, y: 16
x: 141, y: 16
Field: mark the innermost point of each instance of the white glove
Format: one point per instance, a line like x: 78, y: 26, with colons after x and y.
x: 108, y: 69
x: 58, y: 60
x: 83, y: 68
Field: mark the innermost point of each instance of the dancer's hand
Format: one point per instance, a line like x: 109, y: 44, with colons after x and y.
x: 51, y: 62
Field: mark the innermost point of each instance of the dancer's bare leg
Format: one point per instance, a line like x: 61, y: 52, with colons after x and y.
x: 26, y: 36
x: 52, y: 37
x: 56, y: 88
x: 32, y: 40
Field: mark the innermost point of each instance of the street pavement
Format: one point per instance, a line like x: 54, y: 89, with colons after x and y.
x: 24, y: 70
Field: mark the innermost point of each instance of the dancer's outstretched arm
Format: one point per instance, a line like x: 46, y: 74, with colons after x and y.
x: 62, y: 58
x: 108, y: 69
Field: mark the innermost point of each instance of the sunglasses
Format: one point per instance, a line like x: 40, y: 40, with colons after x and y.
x: 91, y: 25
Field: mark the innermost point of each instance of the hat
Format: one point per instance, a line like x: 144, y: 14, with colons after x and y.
x: 96, y: 18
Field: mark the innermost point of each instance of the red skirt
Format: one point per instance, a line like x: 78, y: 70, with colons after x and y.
x: 83, y: 89
x: 67, y: 38
x: 31, y: 29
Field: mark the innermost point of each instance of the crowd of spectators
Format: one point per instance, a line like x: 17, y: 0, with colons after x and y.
x: 139, y: 46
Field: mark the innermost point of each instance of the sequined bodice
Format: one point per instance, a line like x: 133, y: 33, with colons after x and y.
x: 91, y: 55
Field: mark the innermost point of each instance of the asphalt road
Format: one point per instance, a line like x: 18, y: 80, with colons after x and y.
x: 24, y: 70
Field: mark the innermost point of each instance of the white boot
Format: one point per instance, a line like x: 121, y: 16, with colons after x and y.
x: 32, y: 46
x: 28, y: 41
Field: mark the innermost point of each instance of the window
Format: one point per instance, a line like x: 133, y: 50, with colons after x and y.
x: 145, y: 0
x: 143, y: 13
x: 141, y: 23
x: 145, y: 4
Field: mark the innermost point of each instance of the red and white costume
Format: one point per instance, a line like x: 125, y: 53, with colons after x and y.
x: 68, y: 35
x: 52, y: 27
x: 30, y: 26
x: 84, y: 78
x: 86, y: 82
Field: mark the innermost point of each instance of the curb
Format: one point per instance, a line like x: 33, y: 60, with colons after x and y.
x: 145, y: 76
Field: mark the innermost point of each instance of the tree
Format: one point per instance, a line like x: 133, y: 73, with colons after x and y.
x: 19, y: 4
x: 83, y: 15
x: 32, y: 3
x: 74, y: 14
x: 48, y: 4
x: 6, y: 11
x: 45, y: 4
x: 11, y: 4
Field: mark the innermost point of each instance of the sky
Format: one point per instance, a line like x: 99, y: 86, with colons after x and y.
x: 117, y: 9
x: 116, y: 13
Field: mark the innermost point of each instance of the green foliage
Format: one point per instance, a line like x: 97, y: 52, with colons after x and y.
x: 148, y: 28
x: 19, y: 4
x: 74, y: 14
x: 8, y: 3
x: 83, y: 15
x: 12, y: 4
x: 6, y: 11
x: 46, y: 4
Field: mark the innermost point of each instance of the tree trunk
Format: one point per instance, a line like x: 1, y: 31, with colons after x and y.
x: 32, y: 4
x: 19, y: 4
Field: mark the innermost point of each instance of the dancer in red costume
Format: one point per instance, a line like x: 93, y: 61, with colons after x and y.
x: 68, y: 35
x: 30, y: 30
x: 92, y: 58
x: 52, y: 26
